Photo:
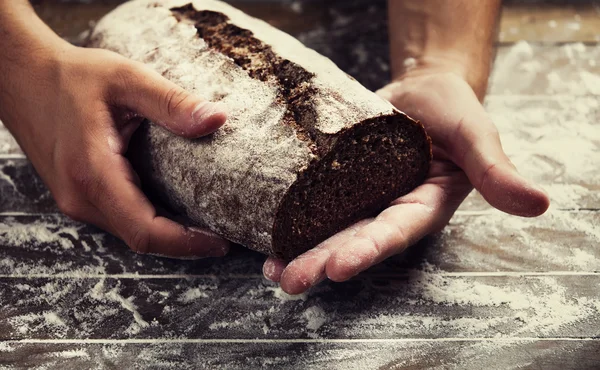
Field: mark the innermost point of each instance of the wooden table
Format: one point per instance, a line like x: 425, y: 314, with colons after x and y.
x: 491, y: 291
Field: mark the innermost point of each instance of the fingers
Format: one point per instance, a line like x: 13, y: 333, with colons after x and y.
x: 147, y: 93
x: 425, y: 210
x: 308, y: 269
x: 132, y: 217
x: 273, y: 268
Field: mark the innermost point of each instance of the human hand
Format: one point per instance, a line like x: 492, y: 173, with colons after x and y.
x: 73, y: 111
x: 466, y: 153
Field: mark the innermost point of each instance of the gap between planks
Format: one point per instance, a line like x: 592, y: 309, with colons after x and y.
x: 260, y: 276
x: 13, y: 156
x: 304, y: 341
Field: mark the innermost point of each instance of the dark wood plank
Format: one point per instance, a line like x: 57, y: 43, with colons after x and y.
x: 422, y: 305
x: 550, y: 355
x: 490, y: 241
x: 21, y: 189
x: 54, y: 245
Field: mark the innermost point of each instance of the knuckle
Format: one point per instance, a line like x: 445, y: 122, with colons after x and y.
x: 84, y: 182
x: 139, y: 241
x: 70, y: 207
x: 121, y: 75
x: 173, y: 99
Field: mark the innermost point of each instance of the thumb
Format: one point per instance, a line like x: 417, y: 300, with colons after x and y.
x: 475, y: 146
x: 148, y: 94
x: 459, y: 126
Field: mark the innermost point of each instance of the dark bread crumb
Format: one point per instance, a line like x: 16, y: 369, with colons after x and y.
x: 372, y: 164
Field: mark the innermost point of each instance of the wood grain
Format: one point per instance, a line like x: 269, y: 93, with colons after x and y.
x: 558, y: 241
x: 54, y: 245
x: 422, y: 305
x: 555, y: 354
x: 21, y: 188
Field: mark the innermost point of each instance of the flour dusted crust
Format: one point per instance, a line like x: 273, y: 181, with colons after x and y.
x: 298, y: 128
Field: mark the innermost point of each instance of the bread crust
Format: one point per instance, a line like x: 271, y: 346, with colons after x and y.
x: 288, y: 108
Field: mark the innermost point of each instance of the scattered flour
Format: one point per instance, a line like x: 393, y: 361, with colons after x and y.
x: 14, y: 233
x: 36, y: 323
x: 315, y: 317
x: 8, y: 144
x: 5, y: 347
x: 56, y: 236
x: 3, y: 176
x: 256, y: 319
x: 297, y: 7
x: 280, y: 294
x: 556, y: 241
x: 53, y: 319
x: 192, y: 294
x: 541, y: 311
x: 70, y: 354
x: 591, y: 82
x: 436, y: 305
x: 86, y: 246
x: 566, y: 195
x: 99, y: 293
x: 539, y: 137
x: 410, y: 63
x: 546, y: 70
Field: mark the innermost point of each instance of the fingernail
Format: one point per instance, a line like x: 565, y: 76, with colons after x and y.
x: 269, y: 270
x: 207, y: 109
x: 218, y: 252
x: 219, y: 248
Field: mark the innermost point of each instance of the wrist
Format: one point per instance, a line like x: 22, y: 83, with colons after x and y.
x: 475, y: 73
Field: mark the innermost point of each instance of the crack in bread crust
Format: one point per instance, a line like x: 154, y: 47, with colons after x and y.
x: 261, y: 63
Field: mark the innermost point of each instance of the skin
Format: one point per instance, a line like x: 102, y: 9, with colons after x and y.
x: 443, y: 86
x: 74, y: 110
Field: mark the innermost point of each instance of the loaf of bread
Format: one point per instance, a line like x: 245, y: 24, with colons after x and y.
x: 306, y: 150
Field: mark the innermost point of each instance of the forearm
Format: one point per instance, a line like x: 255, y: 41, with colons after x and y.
x: 447, y: 35
x: 22, y: 30
x: 27, y: 45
